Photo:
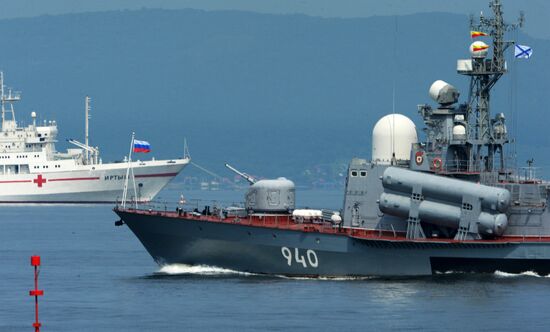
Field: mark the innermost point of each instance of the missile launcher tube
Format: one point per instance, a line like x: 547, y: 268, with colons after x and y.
x: 441, y: 214
x: 445, y: 189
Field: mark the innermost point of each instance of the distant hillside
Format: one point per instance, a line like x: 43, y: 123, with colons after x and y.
x: 273, y: 94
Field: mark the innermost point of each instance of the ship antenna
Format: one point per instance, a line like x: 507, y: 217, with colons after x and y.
x: 514, y: 111
x: 9, y: 98
x: 186, y: 154
x: 393, y: 91
x: 87, y: 127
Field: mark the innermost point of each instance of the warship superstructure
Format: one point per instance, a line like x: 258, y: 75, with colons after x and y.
x: 33, y: 171
x: 448, y: 203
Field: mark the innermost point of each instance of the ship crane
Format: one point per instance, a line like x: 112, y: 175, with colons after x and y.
x: 91, y: 154
x: 93, y: 151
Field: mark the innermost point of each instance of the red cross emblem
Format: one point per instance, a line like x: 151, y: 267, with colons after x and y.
x: 39, y: 180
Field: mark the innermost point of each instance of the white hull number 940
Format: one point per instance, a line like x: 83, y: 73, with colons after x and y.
x: 311, y: 256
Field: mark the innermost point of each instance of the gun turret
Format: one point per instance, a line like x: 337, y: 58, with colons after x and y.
x: 245, y: 176
x: 267, y: 195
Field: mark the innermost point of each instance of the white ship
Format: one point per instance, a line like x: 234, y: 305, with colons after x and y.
x: 32, y: 171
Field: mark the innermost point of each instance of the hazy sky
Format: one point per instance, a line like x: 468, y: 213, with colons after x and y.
x: 536, y: 11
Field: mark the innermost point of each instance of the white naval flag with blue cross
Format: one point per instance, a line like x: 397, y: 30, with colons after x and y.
x: 523, y: 52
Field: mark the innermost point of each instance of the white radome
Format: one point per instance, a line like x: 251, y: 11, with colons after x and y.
x: 393, y: 135
x: 459, y: 132
x: 479, y: 49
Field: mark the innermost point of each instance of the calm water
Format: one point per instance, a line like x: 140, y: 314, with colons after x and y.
x: 98, y: 277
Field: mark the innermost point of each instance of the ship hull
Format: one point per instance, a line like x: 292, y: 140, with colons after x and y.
x: 277, y: 251
x: 100, y: 183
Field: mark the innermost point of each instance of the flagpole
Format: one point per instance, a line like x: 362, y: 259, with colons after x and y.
x: 135, y: 190
x: 125, y: 192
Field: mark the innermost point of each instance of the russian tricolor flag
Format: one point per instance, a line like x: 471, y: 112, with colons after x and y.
x: 142, y: 146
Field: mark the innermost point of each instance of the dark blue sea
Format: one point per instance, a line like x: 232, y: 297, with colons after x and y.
x: 98, y: 277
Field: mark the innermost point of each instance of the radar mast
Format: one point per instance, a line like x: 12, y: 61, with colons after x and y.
x: 484, y: 132
x: 7, y: 101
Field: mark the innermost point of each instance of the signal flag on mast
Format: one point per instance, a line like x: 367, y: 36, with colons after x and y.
x: 476, y: 34
x: 523, y: 52
x: 479, y: 47
x: 142, y: 146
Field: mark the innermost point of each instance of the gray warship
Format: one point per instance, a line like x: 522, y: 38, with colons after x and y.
x: 449, y: 203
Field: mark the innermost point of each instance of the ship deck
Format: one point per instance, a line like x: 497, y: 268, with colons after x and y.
x: 286, y: 222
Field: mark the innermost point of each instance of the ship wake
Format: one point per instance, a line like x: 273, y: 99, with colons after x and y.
x: 500, y: 274
x: 184, y: 269
x: 206, y: 270
x: 497, y: 274
x: 328, y: 278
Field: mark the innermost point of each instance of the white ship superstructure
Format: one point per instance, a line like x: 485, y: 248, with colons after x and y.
x: 32, y: 171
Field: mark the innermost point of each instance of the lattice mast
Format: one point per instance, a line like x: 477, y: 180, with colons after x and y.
x: 484, y: 139
x: 6, y: 101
